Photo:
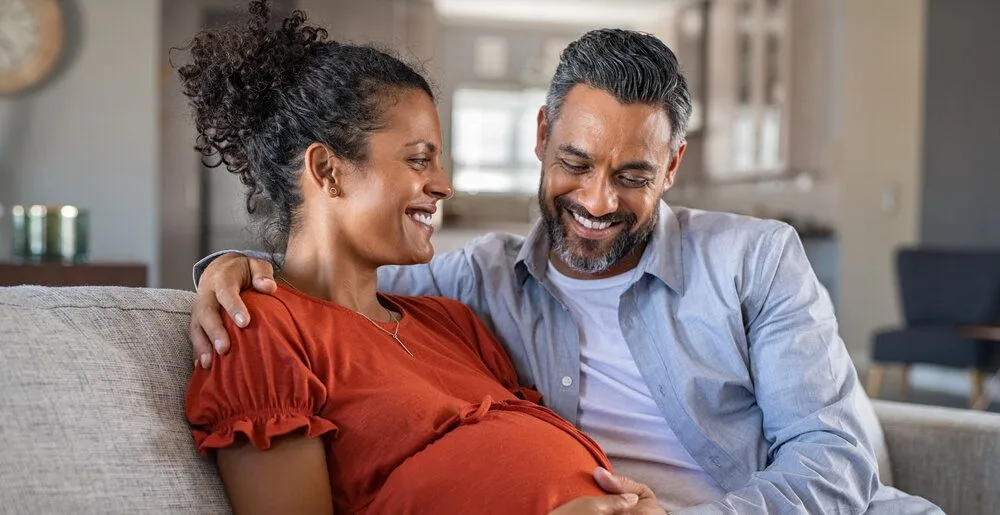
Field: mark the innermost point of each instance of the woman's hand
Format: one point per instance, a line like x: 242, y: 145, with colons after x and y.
x: 220, y: 286
x: 626, y: 496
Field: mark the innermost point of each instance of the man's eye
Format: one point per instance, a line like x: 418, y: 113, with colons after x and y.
x: 633, y: 182
x: 572, y: 167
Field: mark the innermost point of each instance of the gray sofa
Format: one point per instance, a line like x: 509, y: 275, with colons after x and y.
x: 92, y: 384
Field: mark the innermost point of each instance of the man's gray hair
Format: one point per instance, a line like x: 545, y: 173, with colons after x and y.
x: 634, y: 67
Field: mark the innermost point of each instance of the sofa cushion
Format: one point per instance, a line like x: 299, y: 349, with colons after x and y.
x: 92, y: 385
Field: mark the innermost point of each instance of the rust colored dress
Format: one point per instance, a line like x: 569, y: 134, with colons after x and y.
x: 447, y: 431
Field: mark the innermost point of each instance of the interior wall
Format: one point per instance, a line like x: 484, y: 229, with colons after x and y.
x: 878, y: 157
x: 961, y: 142
x: 89, y: 136
x: 179, y: 181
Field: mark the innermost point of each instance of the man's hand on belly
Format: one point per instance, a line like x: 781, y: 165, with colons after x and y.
x: 618, y: 484
x: 626, y: 496
x: 606, y: 505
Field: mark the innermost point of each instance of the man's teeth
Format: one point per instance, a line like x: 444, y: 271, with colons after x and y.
x: 421, y: 217
x: 590, y: 224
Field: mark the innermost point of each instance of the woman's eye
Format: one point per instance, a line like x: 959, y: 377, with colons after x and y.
x: 419, y: 163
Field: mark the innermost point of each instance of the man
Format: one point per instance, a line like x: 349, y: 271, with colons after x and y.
x: 698, y: 349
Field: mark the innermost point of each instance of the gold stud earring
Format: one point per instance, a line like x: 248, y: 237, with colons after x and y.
x: 334, y: 191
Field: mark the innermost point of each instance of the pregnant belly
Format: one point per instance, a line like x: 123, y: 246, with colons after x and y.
x: 502, y: 458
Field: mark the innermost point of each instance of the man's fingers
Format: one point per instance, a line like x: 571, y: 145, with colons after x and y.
x: 611, y: 504
x: 230, y: 300
x: 604, y: 505
x: 607, y: 481
x: 201, y: 345
x: 207, y: 331
x: 617, y: 484
x: 621, y: 502
x: 206, y: 315
x: 262, y: 274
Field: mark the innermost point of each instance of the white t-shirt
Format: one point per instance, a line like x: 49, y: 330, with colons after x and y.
x: 616, y: 408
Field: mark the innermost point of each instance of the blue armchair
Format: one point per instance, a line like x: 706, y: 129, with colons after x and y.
x: 947, y: 297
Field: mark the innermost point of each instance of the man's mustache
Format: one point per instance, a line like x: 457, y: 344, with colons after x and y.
x: 616, y: 217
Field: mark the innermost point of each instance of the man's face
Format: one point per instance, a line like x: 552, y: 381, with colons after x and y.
x: 605, y: 166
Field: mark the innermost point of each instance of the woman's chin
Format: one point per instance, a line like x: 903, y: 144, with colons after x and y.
x: 421, y: 249
x: 417, y: 255
x: 424, y: 255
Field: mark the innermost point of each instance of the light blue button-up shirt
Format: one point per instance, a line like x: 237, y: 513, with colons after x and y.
x: 732, y: 333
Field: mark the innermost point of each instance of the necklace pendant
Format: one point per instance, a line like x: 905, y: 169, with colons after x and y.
x: 403, y: 345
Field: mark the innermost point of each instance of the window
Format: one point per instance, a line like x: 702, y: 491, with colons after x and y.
x: 493, y: 140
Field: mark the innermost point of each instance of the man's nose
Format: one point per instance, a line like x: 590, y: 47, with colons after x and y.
x: 598, y: 197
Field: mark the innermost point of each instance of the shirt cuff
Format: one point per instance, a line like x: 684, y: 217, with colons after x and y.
x: 202, y: 264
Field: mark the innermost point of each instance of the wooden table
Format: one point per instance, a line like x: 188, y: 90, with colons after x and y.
x: 72, y: 274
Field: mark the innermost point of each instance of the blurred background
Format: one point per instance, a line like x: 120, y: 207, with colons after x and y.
x: 873, y: 127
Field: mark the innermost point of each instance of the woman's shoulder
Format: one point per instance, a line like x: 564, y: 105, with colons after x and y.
x: 256, y: 298
x: 272, y: 306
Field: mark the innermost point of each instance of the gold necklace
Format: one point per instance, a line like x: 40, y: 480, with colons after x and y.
x: 392, y: 316
x: 394, y: 334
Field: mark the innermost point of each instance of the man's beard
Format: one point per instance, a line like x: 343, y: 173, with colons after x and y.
x: 583, y: 258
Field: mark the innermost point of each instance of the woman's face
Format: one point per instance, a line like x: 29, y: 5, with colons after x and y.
x: 385, y: 207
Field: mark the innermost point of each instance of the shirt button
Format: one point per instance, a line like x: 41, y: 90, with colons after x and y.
x: 567, y: 381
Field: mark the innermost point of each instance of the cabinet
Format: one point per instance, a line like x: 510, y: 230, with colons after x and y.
x: 749, y: 56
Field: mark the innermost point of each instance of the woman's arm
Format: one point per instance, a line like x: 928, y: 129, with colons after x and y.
x: 290, y: 477
x: 259, y: 412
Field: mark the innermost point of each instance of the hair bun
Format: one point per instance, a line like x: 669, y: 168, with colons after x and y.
x: 235, y: 79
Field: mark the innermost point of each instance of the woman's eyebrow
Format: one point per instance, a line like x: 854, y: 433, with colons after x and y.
x: 430, y: 146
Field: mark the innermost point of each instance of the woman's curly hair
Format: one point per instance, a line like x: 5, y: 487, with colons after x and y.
x: 261, y: 96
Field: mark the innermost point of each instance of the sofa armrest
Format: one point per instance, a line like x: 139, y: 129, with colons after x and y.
x: 948, y: 456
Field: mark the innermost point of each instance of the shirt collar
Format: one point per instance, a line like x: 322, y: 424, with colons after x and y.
x: 662, y: 258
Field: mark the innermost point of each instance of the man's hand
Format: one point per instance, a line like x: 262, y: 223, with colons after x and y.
x: 616, y: 484
x: 220, y: 286
x: 626, y: 496
x: 606, y: 505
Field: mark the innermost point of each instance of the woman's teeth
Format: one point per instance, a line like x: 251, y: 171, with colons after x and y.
x: 421, y: 217
x: 590, y: 224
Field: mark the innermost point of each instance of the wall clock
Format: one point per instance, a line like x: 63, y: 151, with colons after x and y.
x: 31, y: 39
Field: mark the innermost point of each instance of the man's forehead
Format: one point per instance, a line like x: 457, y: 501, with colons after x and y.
x: 594, y: 120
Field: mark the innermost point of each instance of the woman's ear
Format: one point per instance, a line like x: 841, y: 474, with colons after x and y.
x: 322, y: 167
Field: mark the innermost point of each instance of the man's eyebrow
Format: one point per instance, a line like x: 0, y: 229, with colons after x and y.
x: 570, y: 149
x: 637, y: 166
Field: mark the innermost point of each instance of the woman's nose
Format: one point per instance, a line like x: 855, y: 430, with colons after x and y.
x: 439, y: 186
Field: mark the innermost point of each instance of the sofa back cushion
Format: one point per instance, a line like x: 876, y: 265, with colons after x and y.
x: 92, y: 384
